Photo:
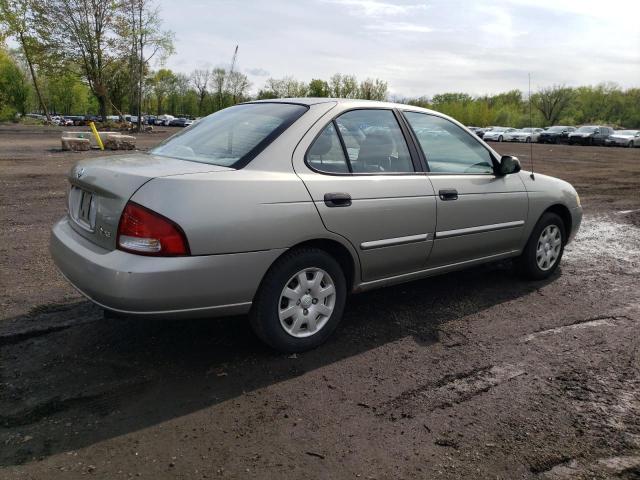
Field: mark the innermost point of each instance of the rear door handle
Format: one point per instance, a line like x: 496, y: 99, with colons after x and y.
x: 448, y: 194
x: 337, y: 199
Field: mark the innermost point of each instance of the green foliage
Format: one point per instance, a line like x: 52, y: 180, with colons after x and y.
x: 318, y: 88
x: 602, y: 104
x: 14, y: 88
x: 66, y: 94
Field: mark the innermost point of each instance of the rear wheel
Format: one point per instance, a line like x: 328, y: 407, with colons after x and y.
x: 543, y: 252
x: 630, y: 144
x: 500, y: 138
x: 528, y: 140
x: 300, y: 301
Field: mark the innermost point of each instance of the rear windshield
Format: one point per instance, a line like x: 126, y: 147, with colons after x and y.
x: 233, y: 136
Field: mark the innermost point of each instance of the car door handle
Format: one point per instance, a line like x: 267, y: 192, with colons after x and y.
x: 448, y: 194
x: 337, y: 199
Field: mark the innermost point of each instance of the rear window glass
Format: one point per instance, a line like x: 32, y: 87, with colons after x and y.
x: 233, y: 136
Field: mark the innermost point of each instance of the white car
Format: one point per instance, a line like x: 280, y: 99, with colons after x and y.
x: 525, y: 135
x: 497, y: 134
x: 164, y: 120
x: 624, y: 138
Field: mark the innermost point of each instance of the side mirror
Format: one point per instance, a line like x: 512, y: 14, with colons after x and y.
x: 508, y: 165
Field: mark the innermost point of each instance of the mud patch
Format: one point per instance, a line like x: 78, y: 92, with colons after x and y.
x: 449, y: 391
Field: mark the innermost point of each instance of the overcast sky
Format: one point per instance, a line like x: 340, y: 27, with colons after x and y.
x: 418, y: 47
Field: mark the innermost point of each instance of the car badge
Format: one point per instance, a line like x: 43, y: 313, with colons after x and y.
x: 79, y: 173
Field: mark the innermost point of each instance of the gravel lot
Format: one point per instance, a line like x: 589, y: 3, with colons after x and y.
x: 476, y: 374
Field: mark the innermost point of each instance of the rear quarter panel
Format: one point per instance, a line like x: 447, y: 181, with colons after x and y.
x: 235, y: 211
x: 262, y: 206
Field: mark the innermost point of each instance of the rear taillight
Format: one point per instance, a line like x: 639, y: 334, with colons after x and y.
x: 146, y: 232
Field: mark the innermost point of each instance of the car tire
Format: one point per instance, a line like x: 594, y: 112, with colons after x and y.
x: 500, y: 138
x: 543, y: 252
x: 272, y: 303
x: 528, y: 140
x: 630, y: 144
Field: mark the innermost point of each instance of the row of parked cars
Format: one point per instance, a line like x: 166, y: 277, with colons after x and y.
x: 80, y: 120
x: 585, y: 135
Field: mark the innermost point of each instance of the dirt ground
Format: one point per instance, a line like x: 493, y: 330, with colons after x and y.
x: 476, y: 374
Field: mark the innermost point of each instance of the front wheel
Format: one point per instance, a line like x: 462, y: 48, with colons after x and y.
x: 300, y: 301
x: 543, y: 252
x: 500, y: 138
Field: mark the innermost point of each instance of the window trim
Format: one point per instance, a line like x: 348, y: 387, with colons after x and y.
x: 494, y: 161
x: 417, y: 167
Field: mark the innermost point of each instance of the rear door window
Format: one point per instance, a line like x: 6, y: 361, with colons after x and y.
x: 374, y: 142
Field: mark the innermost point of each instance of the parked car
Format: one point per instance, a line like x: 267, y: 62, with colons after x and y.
x: 556, y: 134
x: 134, y: 119
x: 151, y: 119
x: 590, y: 135
x: 180, y: 122
x: 624, y: 138
x: 76, y: 119
x: 164, y: 120
x: 525, y: 135
x: 298, y: 223
x: 496, y: 134
x: 481, y: 131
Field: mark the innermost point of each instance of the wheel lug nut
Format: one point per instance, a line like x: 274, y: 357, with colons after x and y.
x: 305, y: 311
x: 314, y: 301
x: 298, y: 302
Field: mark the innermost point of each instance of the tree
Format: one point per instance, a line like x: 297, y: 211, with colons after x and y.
x: 162, y: 84
x: 14, y: 90
x: 238, y: 85
x: 218, y: 81
x: 343, y: 86
x: 140, y: 30
x: 85, y: 32
x: 552, y: 102
x: 318, y: 88
x: 448, y: 98
x: 373, y: 90
x: 286, y: 87
x: 66, y: 93
x: 18, y: 19
x: 200, y: 79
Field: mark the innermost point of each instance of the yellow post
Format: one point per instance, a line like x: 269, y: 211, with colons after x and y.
x: 97, y: 135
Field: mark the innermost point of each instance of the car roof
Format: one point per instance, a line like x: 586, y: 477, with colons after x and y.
x: 352, y: 102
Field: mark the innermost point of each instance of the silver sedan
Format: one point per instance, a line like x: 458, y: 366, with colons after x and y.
x: 280, y: 209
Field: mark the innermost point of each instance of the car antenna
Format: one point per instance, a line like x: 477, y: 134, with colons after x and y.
x: 533, y: 177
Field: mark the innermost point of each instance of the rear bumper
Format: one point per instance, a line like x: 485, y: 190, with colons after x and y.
x: 197, y: 286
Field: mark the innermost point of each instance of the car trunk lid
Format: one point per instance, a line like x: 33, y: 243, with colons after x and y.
x: 100, y: 189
